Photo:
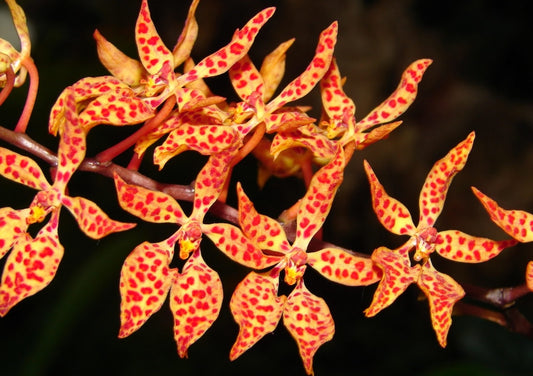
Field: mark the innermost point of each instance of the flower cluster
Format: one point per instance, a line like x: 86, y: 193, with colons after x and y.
x: 164, y: 90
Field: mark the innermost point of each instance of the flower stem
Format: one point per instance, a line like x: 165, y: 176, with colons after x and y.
x: 10, y: 81
x: 32, y: 95
x: 112, y: 152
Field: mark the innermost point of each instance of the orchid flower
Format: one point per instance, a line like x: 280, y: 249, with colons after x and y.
x: 255, y: 304
x: 146, y: 278
x: 339, y: 123
x: 33, y: 262
x: 455, y: 245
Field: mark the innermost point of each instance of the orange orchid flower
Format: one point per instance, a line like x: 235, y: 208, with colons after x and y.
x: 146, y: 278
x: 33, y: 262
x: 339, y: 123
x: 455, y: 245
x: 255, y: 304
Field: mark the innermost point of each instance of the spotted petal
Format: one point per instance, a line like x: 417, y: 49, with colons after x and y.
x: 517, y: 223
x: 205, y: 139
x: 92, y: 220
x: 210, y: 182
x: 320, y: 145
x: 152, y: 206
x: 152, y: 51
x: 343, y: 267
x: 145, y: 281
x: 335, y: 101
x: 85, y: 89
x: 13, y: 225
x: 234, y: 244
x: 308, y: 319
x: 442, y: 292
x: 72, y: 144
x: 392, y: 214
x: 458, y: 246
x: 315, y: 206
x: 257, y: 309
x: 400, y: 100
x: 31, y: 265
x: 362, y: 140
x: 246, y: 79
x: 397, y: 276
x: 115, y: 108
x: 316, y: 69
x: 438, y: 180
x: 222, y: 60
x: 195, y: 301
x: 22, y: 169
x: 264, y: 231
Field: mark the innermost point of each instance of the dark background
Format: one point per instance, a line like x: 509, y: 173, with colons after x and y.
x: 480, y: 80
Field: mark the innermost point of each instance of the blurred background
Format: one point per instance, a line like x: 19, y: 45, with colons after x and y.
x: 480, y: 81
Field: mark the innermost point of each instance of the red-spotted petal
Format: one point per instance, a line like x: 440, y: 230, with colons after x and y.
x: 222, y: 60
x: 316, y: 69
x: 210, y: 182
x: 308, y: 319
x: 264, y: 231
x: 315, y: 206
x: 152, y: 51
x: 273, y: 68
x: 362, y: 140
x: 286, y: 120
x: 205, y: 139
x: 22, y: 169
x: 31, y: 265
x: 246, y: 79
x: 438, y: 180
x: 458, y: 246
x: 13, y: 225
x: 319, y: 144
x: 115, y: 108
x: 400, y: 100
x: 257, y: 309
x: 195, y: 300
x: 442, y: 292
x: 199, y: 106
x: 92, y: 220
x: 343, y: 267
x: 234, y: 244
x: 145, y: 281
x: 152, y: 206
x: 392, y: 214
x: 84, y: 89
x: 397, y: 276
x: 517, y: 223
x: 72, y: 144
x: 335, y: 101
